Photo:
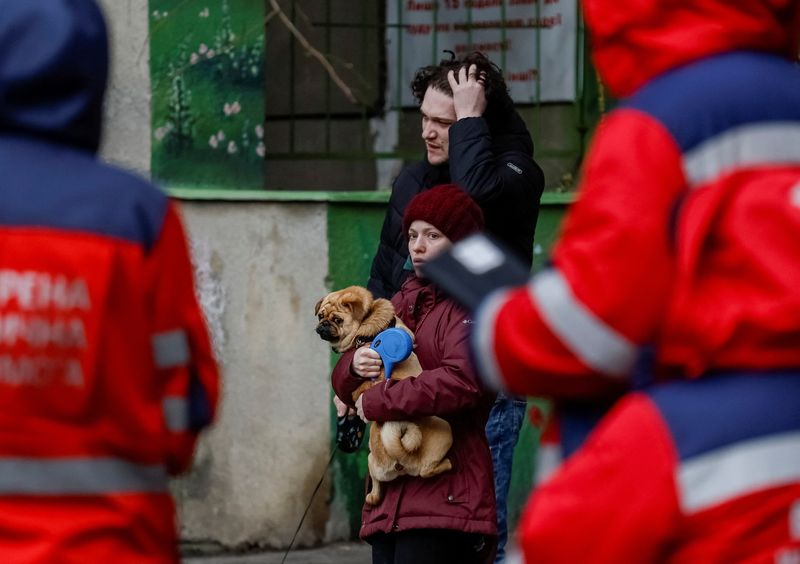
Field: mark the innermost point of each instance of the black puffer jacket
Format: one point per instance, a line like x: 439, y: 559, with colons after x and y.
x: 491, y: 158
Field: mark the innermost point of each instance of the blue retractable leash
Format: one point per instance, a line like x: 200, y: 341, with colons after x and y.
x: 394, y: 346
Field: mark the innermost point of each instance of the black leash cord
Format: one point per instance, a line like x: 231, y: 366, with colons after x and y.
x: 310, y: 501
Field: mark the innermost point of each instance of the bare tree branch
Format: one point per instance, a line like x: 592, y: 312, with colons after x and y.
x: 277, y: 10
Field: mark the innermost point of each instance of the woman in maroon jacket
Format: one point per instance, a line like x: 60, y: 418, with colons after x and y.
x: 449, y: 517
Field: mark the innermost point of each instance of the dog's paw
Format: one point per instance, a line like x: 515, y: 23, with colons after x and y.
x: 373, y: 499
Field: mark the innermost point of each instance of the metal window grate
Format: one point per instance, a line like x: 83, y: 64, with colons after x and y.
x: 319, y: 139
x: 314, y: 94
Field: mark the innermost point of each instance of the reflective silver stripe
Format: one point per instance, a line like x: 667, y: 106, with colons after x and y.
x: 26, y: 476
x: 176, y: 413
x: 171, y: 349
x: 730, y: 472
x: 483, y: 340
x: 773, y: 143
x: 591, y: 340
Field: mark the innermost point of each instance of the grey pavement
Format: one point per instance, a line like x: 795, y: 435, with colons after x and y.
x: 335, y: 553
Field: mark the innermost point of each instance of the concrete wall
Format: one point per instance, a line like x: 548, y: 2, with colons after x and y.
x: 126, y: 130
x: 261, y: 267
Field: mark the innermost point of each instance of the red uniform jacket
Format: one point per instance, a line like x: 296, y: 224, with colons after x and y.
x: 106, y: 371
x: 688, y: 472
x: 684, y: 236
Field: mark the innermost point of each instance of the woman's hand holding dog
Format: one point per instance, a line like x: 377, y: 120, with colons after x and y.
x: 367, y: 363
x: 360, y: 408
x: 341, y: 407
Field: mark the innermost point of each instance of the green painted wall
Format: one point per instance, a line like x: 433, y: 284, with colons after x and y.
x: 353, y: 231
x: 208, y: 88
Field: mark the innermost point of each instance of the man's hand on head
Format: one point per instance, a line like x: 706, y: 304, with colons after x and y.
x: 469, y: 96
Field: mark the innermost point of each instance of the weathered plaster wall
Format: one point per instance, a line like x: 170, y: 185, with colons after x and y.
x: 261, y: 268
x: 126, y: 131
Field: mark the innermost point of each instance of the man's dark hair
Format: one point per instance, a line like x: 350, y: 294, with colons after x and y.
x: 435, y: 76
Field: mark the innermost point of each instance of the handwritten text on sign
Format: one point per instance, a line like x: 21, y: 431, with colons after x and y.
x: 506, y: 31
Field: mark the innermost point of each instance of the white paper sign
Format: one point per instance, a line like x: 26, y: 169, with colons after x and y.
x: 536, y: 68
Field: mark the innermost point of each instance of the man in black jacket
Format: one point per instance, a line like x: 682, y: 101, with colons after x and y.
x: 473, y: 138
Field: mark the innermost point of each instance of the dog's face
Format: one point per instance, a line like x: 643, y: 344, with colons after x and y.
x: 347, y: 314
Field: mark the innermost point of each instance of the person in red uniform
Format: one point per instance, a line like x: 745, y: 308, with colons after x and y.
x: 106, y: 370
x: 682, y: 244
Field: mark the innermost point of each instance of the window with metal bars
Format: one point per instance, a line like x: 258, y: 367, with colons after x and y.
x: 315, y: 94
x: 338, y: 108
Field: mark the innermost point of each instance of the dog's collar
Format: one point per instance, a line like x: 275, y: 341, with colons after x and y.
x: 364, y: 340
x: 361, y: 341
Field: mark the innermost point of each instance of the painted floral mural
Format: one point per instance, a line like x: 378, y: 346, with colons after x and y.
x: 207, y: 74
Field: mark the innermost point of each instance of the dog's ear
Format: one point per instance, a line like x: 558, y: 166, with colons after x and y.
x: 316, y: 307
x: 359, y: 302
x: 379, y: 317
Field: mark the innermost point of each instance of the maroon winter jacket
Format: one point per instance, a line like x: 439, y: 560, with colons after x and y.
x: 462, y: 498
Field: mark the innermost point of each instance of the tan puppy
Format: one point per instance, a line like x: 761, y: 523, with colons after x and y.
x: 351, y: 318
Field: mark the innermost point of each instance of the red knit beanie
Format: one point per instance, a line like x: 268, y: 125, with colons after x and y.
x: 448, y: 208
